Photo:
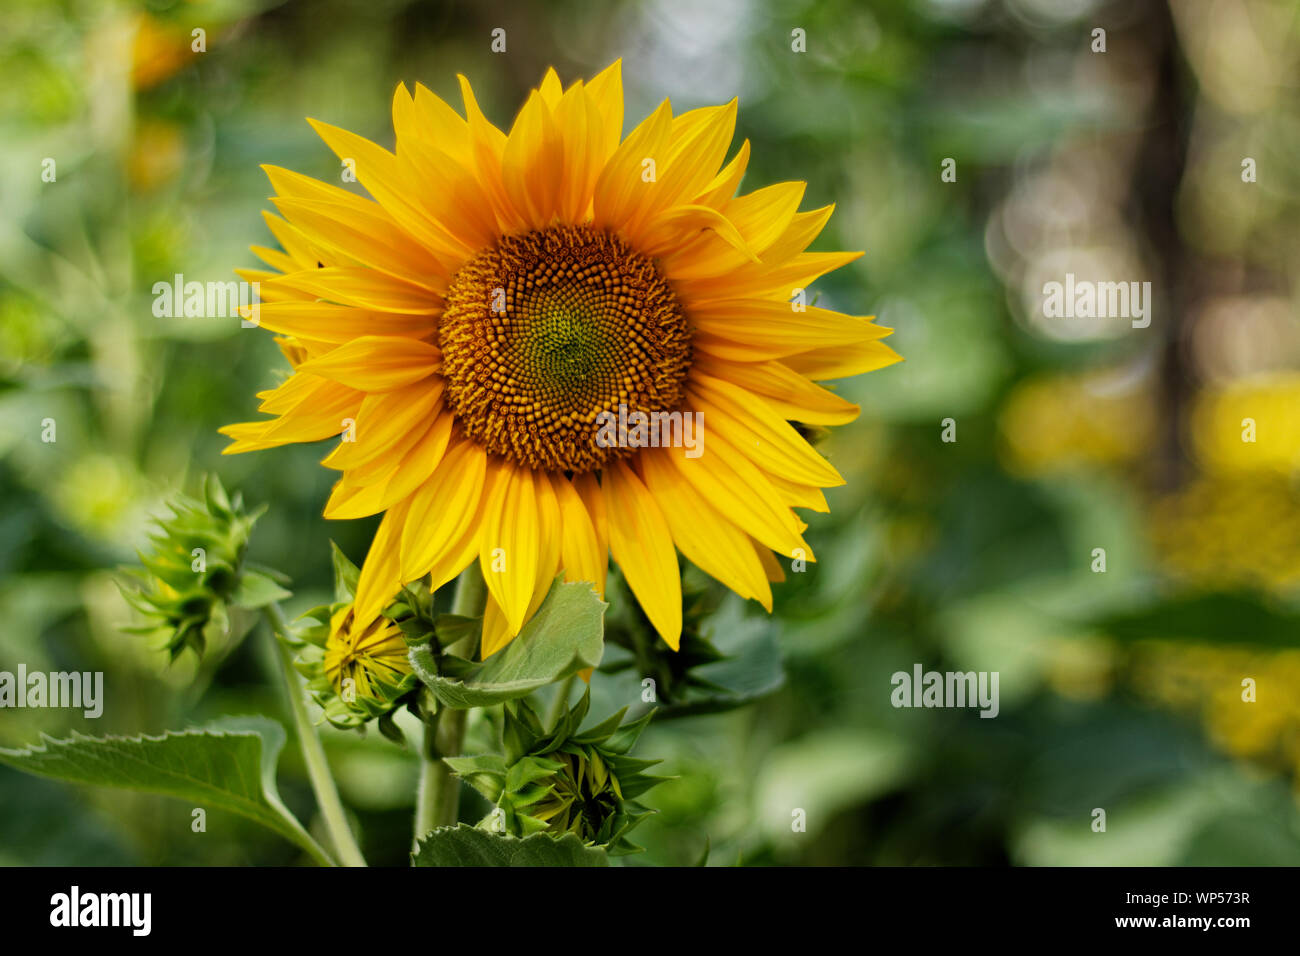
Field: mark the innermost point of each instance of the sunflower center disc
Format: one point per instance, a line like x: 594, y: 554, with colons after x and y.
x: 545, y: 331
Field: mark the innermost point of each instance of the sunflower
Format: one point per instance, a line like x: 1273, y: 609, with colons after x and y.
x: 471, y: 329
x: 361, y: 661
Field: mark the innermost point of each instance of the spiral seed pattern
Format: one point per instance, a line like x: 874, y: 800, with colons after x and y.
x: 546, y: 330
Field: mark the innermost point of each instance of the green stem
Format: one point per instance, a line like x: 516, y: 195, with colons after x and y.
x: 438, y: 796
x: 426, y: 794
x: 313, y: 754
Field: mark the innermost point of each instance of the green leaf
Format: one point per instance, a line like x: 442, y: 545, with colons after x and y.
x: 826, y: 772
x: 529, y: 771
x: 703, y: 858
x: 563, y: 637
x: 257, y: 590
x: 465, y: 845
x: 486, y: 773
x: 229, y: 765
x: 346, y: 574
x: 738, y: 663
x: 1225, y: 618
x: 451, y: 628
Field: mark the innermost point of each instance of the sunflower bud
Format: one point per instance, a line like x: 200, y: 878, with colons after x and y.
x: 359, y: 670
x: 196, y: 570
x: 560, y: 782
x: 679, y: 684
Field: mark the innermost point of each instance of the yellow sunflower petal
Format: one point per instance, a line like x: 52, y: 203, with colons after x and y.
x: 685, y: 163
x: 762, y: 435
x: 328, y: 322
x: 771, y: 566
x: 760, y: 217
x: 740, y: 492
x: 260, y: 279
x: 550, y: 89
x: 384, y: 421
x: 496, y: 629
x: 303, y: 253
x: 442, y: 508
x: 547, y: 565
x: 642, y: 545
x: 672, y: 228
x: 725, y: 184
x: 580, y: 123
x: 509, y: 544
x: 824, y: 363
x: 709, y: 541
x: 363, y: 288
x: 488, y: 144
x: 532, y: 164
x: 377, y: 244
x: 320, y: 411
x: 377, y: 363
x: 296, y: 389
x: 620, y: 190
x: 426, y: 118
x: 786, y: 392
x: 461, y: 208
x: 582, y: 557
x: 460, y: 553
x: 606, y: 91
x: 380, y: 577
x: 800, y: 496
x: 384, y: 178
x: 753, y: 330
x: 589, y: 491
x: 699, y: 143
x: 356, y: 498
x: 275, y: 259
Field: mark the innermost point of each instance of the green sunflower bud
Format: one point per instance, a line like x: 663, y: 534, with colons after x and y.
x: 560, y: 781
x: 359, y: 671
x: 196, y: 571
x: 678, y: 681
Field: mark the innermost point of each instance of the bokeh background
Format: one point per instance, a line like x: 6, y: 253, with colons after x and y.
x: 1120, y: 690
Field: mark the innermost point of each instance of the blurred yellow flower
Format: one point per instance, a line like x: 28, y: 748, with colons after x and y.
x: 1258, y: 720
x: 1223, y: 532
x: 157, y: 52
x: 157, y: 154
x: 101, y: 496
x: 1064, y: 422
x: 1081, y: 668
x: 1250, y: 424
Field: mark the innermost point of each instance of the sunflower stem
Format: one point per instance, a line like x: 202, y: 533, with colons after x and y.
x: 438, y: 797
x: 313, y: 754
